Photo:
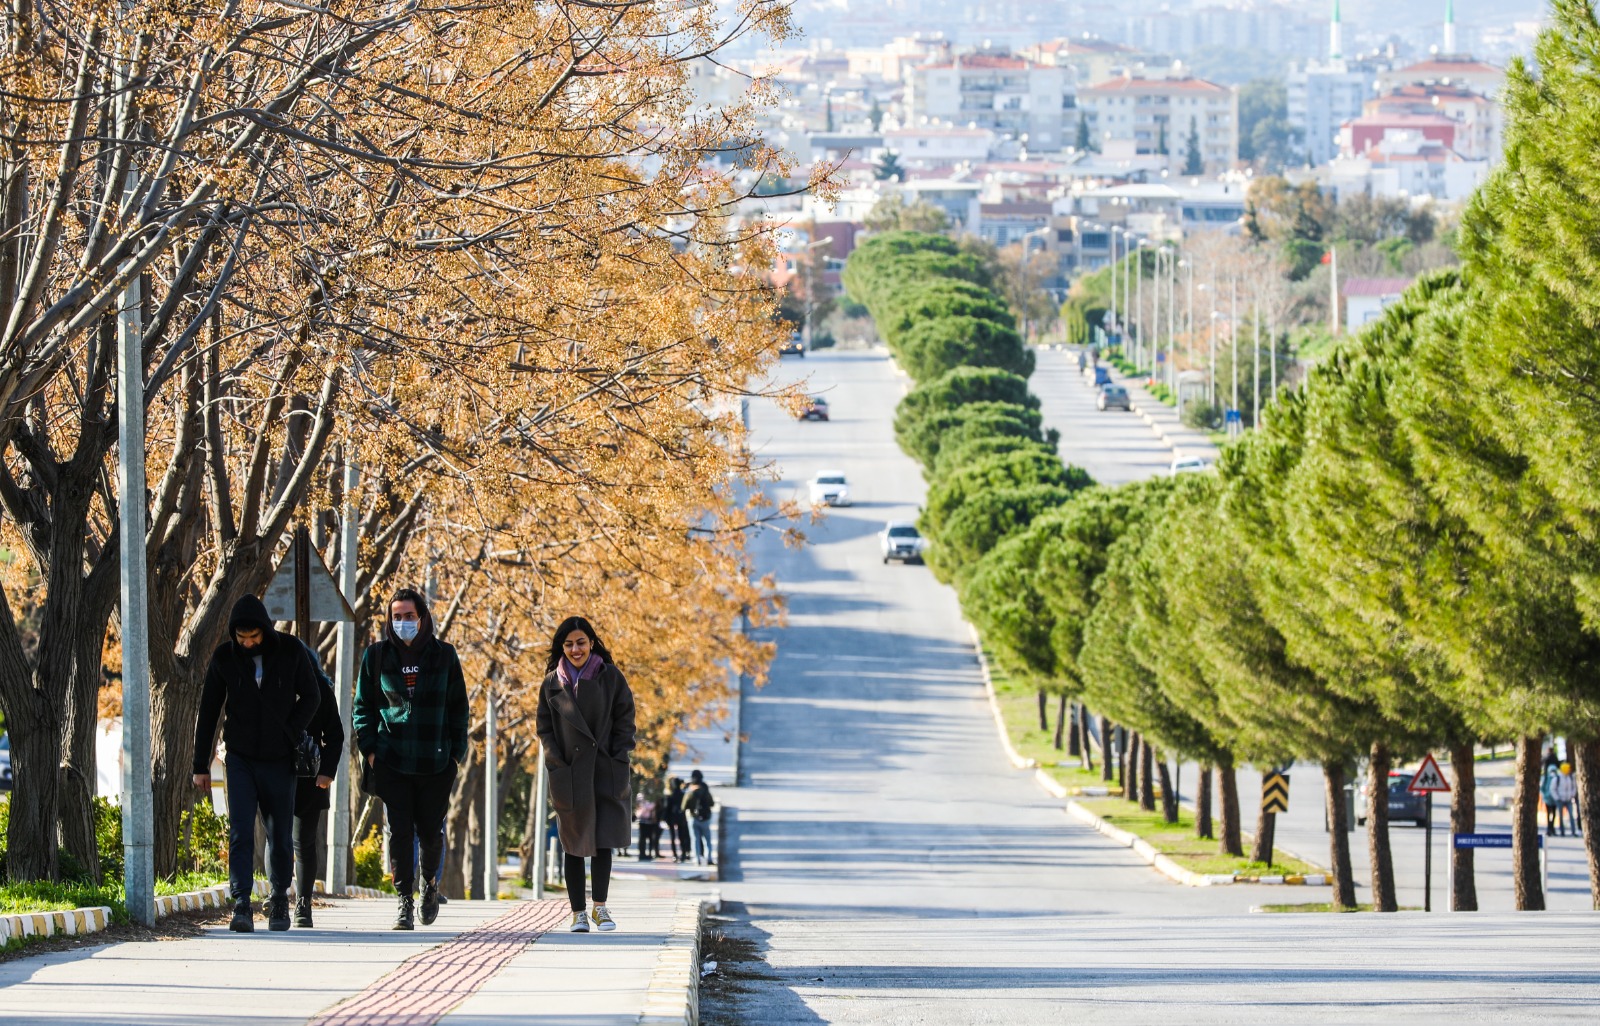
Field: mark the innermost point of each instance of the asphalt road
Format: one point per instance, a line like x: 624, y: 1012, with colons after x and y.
x: 884, y: 864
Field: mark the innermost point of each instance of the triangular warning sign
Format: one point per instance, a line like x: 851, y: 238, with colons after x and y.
x: 1428, y: 778
x: 327, y: 604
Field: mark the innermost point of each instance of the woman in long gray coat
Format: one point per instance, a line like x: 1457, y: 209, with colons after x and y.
x: 585, y: 723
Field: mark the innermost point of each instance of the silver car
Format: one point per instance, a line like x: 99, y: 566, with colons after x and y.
x: 901, y: 540
x: 1113, y: 397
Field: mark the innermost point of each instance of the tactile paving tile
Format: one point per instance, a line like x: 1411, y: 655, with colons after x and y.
x: 423, y: 988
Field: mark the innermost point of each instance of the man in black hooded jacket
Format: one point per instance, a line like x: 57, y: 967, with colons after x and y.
x: 266, y: 681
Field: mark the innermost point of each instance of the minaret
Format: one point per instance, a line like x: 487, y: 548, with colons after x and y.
x: 1335, y: 34
x: 1449, y: 28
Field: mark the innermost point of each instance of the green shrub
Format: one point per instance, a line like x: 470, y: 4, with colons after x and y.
x: 203, y: 840
x: 931, y: 348
x: 1017, y: 468
x: 1203, y: 416
x: 369, y: 862
x: 974, y: 419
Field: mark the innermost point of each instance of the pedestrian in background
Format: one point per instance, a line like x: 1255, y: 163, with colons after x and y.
x: 698, y: 802
x: 1547, y: 793
x: 676, y: 820
x: 1565, y: 792
x: 311, y: 794
x: 649, y: 828
x: 264, y: 680
x: 410, y: 717
x: 585, y: 725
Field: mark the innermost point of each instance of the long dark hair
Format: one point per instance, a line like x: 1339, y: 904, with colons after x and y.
x: 567, y: 626
x: 424, y: 617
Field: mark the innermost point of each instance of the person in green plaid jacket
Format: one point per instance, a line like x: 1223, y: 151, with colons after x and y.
x: 410, y: 718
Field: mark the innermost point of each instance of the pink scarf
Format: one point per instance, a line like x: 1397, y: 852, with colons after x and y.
x: 569, y: 675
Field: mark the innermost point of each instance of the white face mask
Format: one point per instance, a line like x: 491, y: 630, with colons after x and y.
x: 406, y: 630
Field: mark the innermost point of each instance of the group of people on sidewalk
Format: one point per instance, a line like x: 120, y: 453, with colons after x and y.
x: 410, y: 717
x: 680, y: 809
x: 1559, y: 790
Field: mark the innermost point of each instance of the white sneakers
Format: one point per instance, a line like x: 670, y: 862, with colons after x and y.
x: 602, y: 919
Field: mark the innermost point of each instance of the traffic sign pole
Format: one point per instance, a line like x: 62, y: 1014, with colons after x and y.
x: 1427, y: 855
x: 1425, y: 781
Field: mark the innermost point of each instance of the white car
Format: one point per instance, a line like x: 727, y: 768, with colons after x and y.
x: 829, y: 488
x: 1189, y: 465
x: 901, y: 540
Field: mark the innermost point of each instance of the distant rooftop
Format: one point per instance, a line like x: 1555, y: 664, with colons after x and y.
x: 1379, y: 287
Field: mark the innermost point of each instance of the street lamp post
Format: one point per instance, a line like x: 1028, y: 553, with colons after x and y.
x: 1111, y: 318
x: 810, y: 284
x: 1233, y: 338
x: 1255, y: 380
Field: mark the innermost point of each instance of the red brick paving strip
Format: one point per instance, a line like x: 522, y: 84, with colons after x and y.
x: 425, y: 987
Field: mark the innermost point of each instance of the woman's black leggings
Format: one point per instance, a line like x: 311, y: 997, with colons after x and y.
x: 600, y: 865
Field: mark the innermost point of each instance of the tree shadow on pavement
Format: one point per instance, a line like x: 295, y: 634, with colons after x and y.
x: 744, y: 989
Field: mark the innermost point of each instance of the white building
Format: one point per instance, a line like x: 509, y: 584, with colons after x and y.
x: 939, y: 144
x: 1014, y: 98
x: 1153, y: 117
x: 1322, y: 95
x: 1365, y: 299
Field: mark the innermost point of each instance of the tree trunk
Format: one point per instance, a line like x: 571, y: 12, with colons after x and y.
x: 1266, y: 827
x: 1130, y: 788
x: 1339, y: 864
x: 78, y: 768
x: 468, y: 787
x: 1105, y: 750
x: 1585, y: 754
x: 1463, y: 820
x: 1230, y: 842
x: 476, y: 838
x: 532, y: 825
x: 1147, y: 783
x: 36, y: 787
x: 1044, y: 711
x: 1066, y: 734
x: 1169, y: 796
x: 1202, y: 806
x: 1087, y: 762
x: 1383, y: 897
x: 1525, y: 828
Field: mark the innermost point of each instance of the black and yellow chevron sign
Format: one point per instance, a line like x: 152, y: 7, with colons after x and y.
x: 1275, y: 792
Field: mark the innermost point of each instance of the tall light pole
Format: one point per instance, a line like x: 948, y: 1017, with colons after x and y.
x: 1113, y: 233
x: 1172, y: 320
x: 1255, y: 380
x: 1233, y: 337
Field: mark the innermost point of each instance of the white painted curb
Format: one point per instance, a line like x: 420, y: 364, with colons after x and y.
x: 673, y: 996
x: 68, y: 923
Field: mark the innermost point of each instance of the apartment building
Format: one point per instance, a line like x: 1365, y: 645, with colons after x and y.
x: 1152, y: 117
x: 1015, y: 98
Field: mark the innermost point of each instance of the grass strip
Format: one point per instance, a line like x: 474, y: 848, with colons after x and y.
x: 1019, y: 708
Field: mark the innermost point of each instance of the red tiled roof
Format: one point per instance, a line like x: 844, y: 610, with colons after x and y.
x: 1446, y: 68
x: 1403, y: 121
x: 1375, y: 286
x: 1127, y: 84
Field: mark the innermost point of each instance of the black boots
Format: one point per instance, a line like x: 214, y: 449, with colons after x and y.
x: 242, y: 921
x: 278, y: 912
x: 302, y: 913
x: 430, y: 904
x: 406, y: 919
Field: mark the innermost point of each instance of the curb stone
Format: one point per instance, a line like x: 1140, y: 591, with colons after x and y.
x: 68, y: 923
x: 673, y: 996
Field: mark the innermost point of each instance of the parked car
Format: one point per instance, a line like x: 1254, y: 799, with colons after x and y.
x: 816, y: 408
x: 794, y: 347
x: 1113, y: 397
x: 5, y: 762
x: 1189, y: 465
x: 829, y: 488
x: 901, y: 540
x: 1403, y: 805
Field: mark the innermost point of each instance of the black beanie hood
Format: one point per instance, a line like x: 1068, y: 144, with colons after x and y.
x: 249, y: 612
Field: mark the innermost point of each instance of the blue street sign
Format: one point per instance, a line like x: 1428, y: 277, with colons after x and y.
x: 1161, y: 357
x: 1233, y: 417
x: 1488, y: 840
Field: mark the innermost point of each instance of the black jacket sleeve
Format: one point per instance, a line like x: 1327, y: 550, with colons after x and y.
x: 329, y: 730
x: 306, y: 698
x: 544, y: 719
x: 213, y: 696
x: 457, y: 711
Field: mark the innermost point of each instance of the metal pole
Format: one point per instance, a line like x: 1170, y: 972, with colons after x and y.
x: 1427, y: 854
x: 1233, y: 339
x: 1172, y: 323
x: 344, y: 680
x: 1255, y: 381
x: 1272, y: 340
x: 541, y: 803
x: 491, y: 808
x: 1138, y: 307
x: 1450, y: 870
x: 138, y: 797
x: 1113, y: 233
x: 1211, y: 337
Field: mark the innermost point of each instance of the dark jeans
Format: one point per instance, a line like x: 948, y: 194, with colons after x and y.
x: 309, y: 836
x: 600, y: 866
x: 266, y: 785
x: 416, y: 804
x: 649, y: 840
x: 678, y: 833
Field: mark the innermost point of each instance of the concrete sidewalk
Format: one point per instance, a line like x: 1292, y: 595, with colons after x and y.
x: 480, y: 963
